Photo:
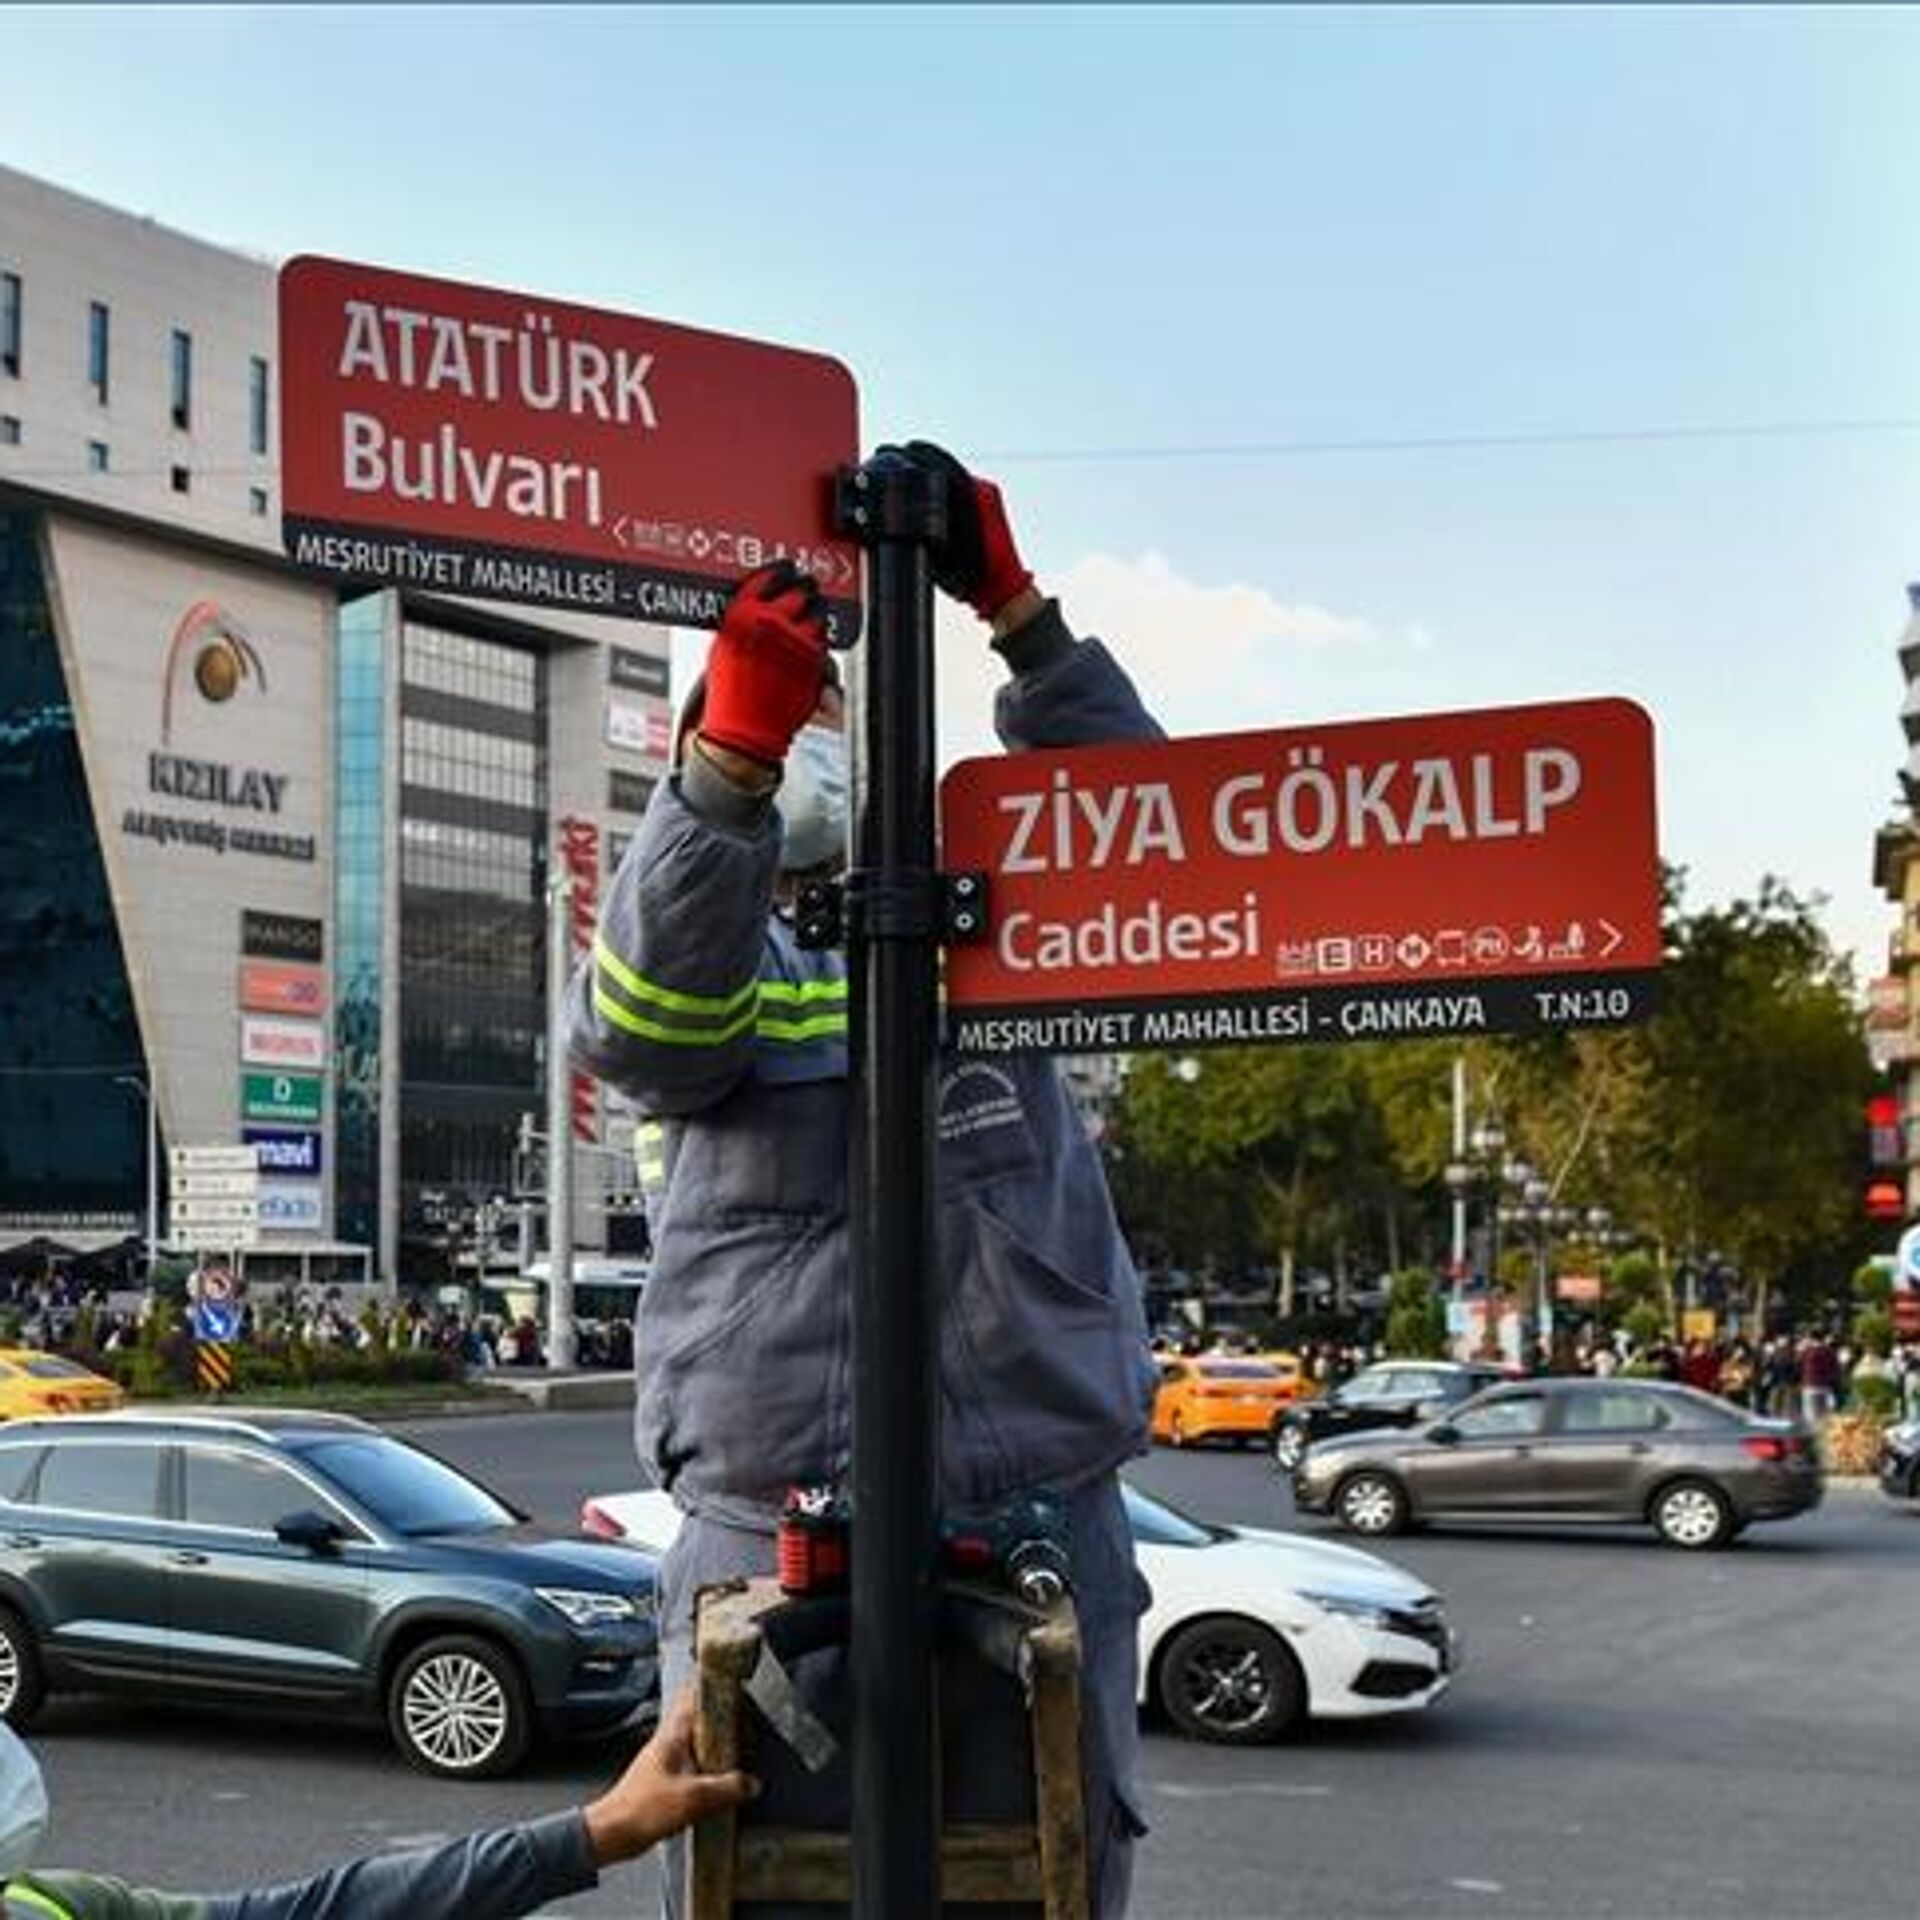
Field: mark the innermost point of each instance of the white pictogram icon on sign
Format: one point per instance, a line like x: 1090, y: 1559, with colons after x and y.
x: 1295, y: 956
x: 1414, y: 950
x: 1489, y: 945
x: 1450, y: 947
x: 1335, y: 955
x: 1374, y: 952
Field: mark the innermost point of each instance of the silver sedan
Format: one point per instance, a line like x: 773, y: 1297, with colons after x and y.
x: 1695, y: 1468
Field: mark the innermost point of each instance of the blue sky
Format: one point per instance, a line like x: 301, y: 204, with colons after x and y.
x: 1077, y: 232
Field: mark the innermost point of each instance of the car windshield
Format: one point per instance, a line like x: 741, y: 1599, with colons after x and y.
x: 405, y: 1489
x: 53, y: 1369
x: 1160, y: 1525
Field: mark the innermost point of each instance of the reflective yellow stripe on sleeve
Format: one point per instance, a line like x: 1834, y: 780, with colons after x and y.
x: 23, y: 1896
x: 669, y: 999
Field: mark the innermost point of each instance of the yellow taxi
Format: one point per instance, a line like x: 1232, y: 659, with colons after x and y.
x: 35, y: 1383
x: 1233, y: 1394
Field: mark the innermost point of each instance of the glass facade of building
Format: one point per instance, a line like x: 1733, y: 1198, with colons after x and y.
x: 360, y: 746
x: 73, y: 1134
x: 472, y: 882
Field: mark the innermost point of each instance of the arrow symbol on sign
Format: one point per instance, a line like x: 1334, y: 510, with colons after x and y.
x: 1615, y: 938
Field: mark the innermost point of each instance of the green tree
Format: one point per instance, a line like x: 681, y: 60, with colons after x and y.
x: 1416, y: 1317
x: 1748, y: 1135
x: 1288, y: 1134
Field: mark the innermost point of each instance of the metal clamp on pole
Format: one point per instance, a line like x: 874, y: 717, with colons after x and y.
x: 952, y: 905
x: 897, y: 509
x: 820, y: 915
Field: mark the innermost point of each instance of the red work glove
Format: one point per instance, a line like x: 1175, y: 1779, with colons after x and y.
x: 977, y: 562
x: 767, y: 665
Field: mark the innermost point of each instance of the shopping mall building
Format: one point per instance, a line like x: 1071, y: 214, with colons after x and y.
x: 272, y: 853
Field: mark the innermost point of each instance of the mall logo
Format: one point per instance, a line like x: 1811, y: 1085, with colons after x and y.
x: 221, y: 654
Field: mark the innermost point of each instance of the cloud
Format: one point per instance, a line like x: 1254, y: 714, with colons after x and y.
x: 1207, y: 659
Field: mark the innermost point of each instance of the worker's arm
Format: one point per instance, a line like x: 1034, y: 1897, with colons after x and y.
x: 666, y: 1005
x: 1063, y: 692
x: 485, y: 1876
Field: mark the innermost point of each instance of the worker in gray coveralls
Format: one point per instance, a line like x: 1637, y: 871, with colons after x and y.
x: 698, y: 1005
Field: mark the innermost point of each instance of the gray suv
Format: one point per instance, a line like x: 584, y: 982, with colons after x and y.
x: 1697, y: 1468
x: 309, y: 1562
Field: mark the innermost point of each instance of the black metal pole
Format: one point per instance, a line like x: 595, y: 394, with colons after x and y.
x: 896, y: 508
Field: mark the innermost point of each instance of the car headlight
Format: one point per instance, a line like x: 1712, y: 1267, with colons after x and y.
x: 591, y: 1609
x: 1367, y: 1613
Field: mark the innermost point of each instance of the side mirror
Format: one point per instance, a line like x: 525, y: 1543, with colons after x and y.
x: 308, y: 1529
x: 1444, y: 1435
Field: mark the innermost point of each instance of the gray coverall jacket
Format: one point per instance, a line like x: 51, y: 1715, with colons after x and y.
x: 700, y: 1008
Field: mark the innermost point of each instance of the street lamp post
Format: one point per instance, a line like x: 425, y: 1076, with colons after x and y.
x: 144, y: 1088
x: 1479, y: 1168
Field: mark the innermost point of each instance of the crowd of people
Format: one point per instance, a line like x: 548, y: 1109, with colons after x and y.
x: 1812, y: 1374
x: 59, y: 1313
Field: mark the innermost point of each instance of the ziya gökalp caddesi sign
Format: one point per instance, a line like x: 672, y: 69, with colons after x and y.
x: 1457, y: 873
x: 475, y: 441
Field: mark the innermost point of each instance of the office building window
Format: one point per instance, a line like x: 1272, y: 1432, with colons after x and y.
x: 96, y: 456
x: 182, y: 378
x: 73, y: 1110
x: 257, y: 502
x: 259, y: 382
x: 182, y: 480
x: 9, y: 429
x: 99, y: 348
x: 359, y: 899
x: 13, y: 321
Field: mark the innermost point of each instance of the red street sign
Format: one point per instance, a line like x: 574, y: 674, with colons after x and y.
x: 474, y: 441
x: 1457, y: 873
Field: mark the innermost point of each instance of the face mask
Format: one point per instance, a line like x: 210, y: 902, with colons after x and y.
x: 813, y: 800
x: 23, y: 1805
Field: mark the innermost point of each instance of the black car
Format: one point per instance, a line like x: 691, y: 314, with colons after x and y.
x: 1394, y: 1393
x: 310, y: 1563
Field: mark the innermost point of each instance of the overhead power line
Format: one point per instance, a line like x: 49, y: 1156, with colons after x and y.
x: 1463, y: 442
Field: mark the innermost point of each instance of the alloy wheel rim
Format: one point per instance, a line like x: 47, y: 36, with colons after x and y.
x: 9, y: 1673
x: 1289, y: 1448
x: 1690, y: 1515
x: 1369, y: 1506
x: 1226, y: 1685
x: 455, y: 1711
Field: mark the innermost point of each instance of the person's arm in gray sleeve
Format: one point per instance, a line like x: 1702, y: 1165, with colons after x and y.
x: 485, y: 1876
x: 1063, y: 692
x: 664, y: 1006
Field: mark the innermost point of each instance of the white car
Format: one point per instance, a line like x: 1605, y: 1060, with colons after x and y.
x: 1250, y: 1632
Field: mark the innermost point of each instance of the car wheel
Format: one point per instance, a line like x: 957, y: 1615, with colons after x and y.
x: 1231, y: 1681
x: 23, y: 1680
x: 1371, y: 1504
x: 1289, y: 1448
x: 1693, y: 1514
x: 458, y: 1707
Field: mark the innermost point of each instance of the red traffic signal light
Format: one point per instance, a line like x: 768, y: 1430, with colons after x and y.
x: 1886, y: 1200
